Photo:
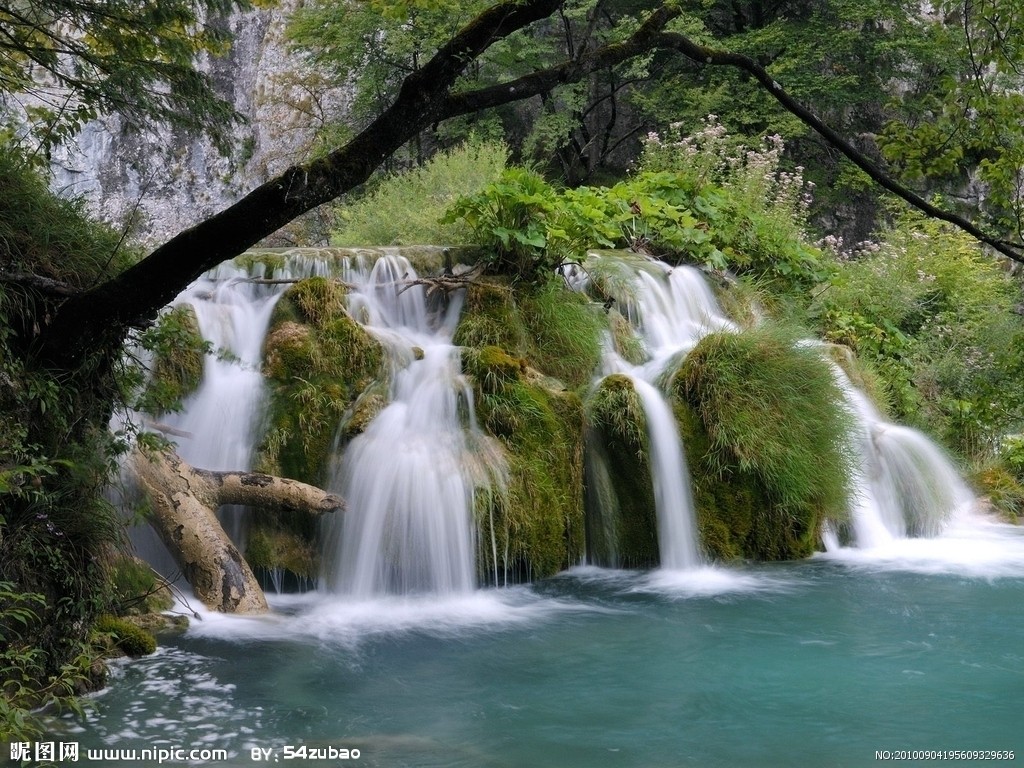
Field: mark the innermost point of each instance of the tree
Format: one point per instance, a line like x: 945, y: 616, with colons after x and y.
x: 63, y: 62
x: 65, y: 338
x: 427, y: 95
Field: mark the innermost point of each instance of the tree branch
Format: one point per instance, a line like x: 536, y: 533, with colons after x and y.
x: 704, y: 55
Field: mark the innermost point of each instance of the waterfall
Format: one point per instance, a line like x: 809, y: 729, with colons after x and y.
x: 671, y: 308
x: 408, y: 527
x: 217, y: 426
x: 903, y: 485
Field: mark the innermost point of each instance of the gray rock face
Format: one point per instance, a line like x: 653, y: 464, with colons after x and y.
x: 164, y: 181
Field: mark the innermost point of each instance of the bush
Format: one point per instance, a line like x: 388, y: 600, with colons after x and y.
x: 773, y: 413
x: 937, y: 320
x: 408, y: 208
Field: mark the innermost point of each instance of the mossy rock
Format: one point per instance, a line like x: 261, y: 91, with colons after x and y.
x: 491, y: 318
x: 535, y: 523
x: 274, y: 544
x: 553, y: 329
x: 177, y: 368
x: 622, y: 525
x: 318, y: 362
x: 766, y: 432
x: 135, y: 589
x: 124, y: 636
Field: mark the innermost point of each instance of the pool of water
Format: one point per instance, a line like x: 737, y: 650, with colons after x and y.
x: 817, y: 663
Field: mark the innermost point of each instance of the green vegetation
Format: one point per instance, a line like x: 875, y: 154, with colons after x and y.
x: 533, y: 523
x: 179, y: 351
x: 937, y: 319
x: 776, y: 433
x: 407, y: 208
x: 29, y: 679
x: 694, y: 200
x: 126, y: 637
x: 56, y: 452
x: 318, y: 361
x: 112, y: 56
x: 622, y: 527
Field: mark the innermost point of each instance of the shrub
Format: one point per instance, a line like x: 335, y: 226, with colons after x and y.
x: 771, y: 410
x: 408, y: 208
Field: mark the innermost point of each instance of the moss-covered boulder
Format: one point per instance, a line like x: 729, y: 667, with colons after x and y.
x: 766, y: 433
x: 554, y: 329
x: 120, y: 635
x: 622, y: 525
x: 533, y: 526
x: 318, y: 361
x: 320, y: 365
x: 179, y: 351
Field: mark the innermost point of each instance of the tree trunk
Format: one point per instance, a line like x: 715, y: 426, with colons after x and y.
x: 183, y: 502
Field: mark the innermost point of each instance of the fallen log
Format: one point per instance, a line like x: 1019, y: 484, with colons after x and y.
x: 184, y: 500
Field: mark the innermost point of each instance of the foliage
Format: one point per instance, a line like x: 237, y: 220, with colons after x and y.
x: 179, y: 353
x: 959, y: 122
x: 56, y: 452
x: 26, y: 680
x: 772, y: 410
x: 407, y: 208
x: 318, y: 361
x: 63, y: 63
x: 622, y: 529
x: 517, y: 219
x: 937, y: 319
x: 576, y: 128
x: 547, y: 326
x: 532, y: 525
x: 135, y: 588
x: 698, y: 199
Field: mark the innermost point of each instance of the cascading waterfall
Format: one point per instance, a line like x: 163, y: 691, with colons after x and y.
x: 217, y: 426
x: 672, y: 308
x: 903, y: 484
x: 407, y: 479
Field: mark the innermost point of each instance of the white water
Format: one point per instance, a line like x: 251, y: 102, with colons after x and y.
x: 671, y: 309
x: 903, y: 484
x: 407, y: 482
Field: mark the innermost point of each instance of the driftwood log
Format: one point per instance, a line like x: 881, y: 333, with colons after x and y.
x: 184, y: 500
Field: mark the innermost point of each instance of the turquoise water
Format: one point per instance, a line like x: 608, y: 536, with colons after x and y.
x: 814, y: 663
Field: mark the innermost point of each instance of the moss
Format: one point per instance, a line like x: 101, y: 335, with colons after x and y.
x: 272, y: 545
x: 622, y: 522
x: 135, y: 588
x: 534, y: 524
x: 491, y: 317
x: 124, y: 636
x: 555, y: 330
x: 625, y: 339
x: 179, y: 354
x: 318, y: 362
x: 1003, y: 490
x: 318, y: 300
x: 766, y: 433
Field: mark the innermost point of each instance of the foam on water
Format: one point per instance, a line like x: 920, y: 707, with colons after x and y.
x: 338, y: 621
x: 970, y: 545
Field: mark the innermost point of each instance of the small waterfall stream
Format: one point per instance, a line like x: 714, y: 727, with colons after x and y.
x: 903, y: 484
x: 671, y: 309
x: 408, y: 528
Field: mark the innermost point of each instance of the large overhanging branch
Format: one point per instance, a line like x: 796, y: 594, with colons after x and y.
x: 426, y: 97
x: 105, y: 313
x: 705, y: 55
